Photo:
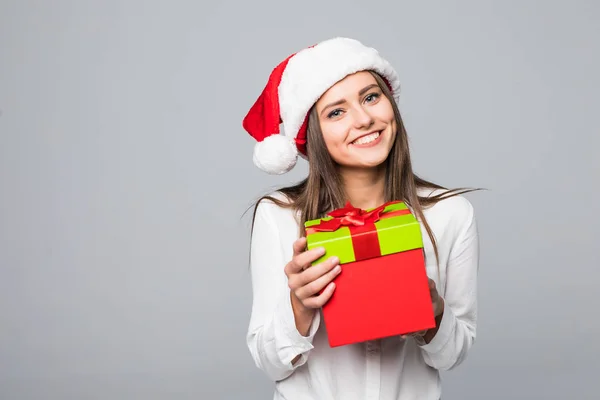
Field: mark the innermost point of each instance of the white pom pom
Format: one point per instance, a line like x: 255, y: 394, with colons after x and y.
x: 276, y: 154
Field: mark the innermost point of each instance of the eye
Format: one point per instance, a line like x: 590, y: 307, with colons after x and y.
x: 372, y: 97
x: 334, y: 113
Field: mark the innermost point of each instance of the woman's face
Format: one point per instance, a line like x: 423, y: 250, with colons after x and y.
x: 357, y: 122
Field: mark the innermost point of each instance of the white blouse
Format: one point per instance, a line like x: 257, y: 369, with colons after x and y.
x: 386, y: 369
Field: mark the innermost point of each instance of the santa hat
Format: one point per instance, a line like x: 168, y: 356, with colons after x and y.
x: 293, y: 88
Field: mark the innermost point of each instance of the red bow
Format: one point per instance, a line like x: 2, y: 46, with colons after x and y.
x: 351, y: 216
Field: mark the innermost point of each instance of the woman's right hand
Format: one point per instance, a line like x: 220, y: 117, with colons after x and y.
x: 311, y: 286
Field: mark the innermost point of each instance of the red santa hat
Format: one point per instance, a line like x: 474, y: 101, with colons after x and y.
x: 293, y: 88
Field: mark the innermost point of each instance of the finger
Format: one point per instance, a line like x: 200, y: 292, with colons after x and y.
x: 320, y: 300
x: 298, y: 280
x: 306, y: 258
x: 301, y: 278
x: 299, y: 246
x: 315, y: 286
x: 418, y: 333
x: 318, y: 270
x: 298, y: 263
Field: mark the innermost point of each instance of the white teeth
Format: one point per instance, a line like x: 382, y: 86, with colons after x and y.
x: 367, y: 139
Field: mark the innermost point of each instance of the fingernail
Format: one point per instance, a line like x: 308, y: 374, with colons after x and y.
x: 337, y: 269
x: 334, y: 260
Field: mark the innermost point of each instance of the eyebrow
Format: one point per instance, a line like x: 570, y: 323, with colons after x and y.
x: 342, y: 101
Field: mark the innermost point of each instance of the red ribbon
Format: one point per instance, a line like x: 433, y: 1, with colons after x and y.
x: 362, y: 227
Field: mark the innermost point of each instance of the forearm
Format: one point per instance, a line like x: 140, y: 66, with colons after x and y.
x: 430, y: 333
x: 275, y: 342
x: 451, y: 343
x: 447, y: 345
x: 273, y: 338
x: 302, y: 317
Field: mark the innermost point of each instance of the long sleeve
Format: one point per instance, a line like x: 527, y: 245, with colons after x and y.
x: 272, y: 337
x: 456, y: 333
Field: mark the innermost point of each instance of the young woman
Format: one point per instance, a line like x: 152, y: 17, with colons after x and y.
x: 337, y: 102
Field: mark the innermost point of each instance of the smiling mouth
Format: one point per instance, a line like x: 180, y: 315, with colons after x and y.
x: 370, y: 138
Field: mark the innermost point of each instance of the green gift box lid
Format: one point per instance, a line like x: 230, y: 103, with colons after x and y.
x: 395, y: 233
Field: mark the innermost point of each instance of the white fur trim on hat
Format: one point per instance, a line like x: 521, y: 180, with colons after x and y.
x: 276, y: 154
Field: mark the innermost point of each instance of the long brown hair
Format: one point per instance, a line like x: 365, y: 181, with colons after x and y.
x: 322, y: 190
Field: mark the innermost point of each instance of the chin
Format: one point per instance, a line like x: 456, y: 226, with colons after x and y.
x: 377, y: 164
x: 375, y: 160
x: 364, y: 164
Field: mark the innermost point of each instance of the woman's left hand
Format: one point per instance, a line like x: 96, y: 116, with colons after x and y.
x: 438, y: 308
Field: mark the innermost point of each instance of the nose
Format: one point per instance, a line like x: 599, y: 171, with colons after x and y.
x: 362, y: 118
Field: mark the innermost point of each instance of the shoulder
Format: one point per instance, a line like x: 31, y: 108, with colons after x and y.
x: 273, y: 202
x: 454, y: 213
x: 275, y: 208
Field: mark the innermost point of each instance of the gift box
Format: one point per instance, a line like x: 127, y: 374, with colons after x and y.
x: 383, y: 288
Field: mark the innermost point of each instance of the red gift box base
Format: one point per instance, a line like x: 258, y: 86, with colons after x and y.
x: 379, y: 297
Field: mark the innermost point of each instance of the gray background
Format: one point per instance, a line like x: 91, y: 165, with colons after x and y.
x: 124, y: 174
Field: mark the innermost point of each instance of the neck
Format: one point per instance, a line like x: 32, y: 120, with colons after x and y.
x: 365, y: 188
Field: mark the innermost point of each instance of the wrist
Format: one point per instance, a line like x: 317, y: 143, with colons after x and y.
x: 303, y: 316
x: 440, y: 308
x: 297, y: 306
